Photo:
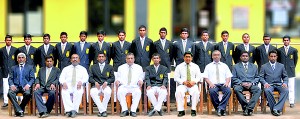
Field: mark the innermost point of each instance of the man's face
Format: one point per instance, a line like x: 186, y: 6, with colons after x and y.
x: 142, y: 32
x: 156, y: 60
x: 49, y: 62
x: 184, y: 35
x: 101, y: 58
x: 46, y: 40
x: 246, y: 38
x: 21, y: 60
x: 267, y: 40
x: 216, y: 56
x: 75, y: 59
x: 121, y: 36
x: 8, y: 41
x: 286, y: 41
x: 244, y: 57
x: 162, y: 34
x: 188, y: 58
x: 130, y: 59
x: 27, y: 41
x: 100, y: 37
x: 63, y: 38
x: 82, y: 37
x: 225, y: 37
x: 273, y: 57
x: 205, y: 37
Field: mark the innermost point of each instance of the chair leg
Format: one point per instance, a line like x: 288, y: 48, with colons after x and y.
x: 33, y: 105
x: 9, y: 108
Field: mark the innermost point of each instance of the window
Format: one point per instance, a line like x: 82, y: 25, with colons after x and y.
x: 107, y: 15
x: 25, y: 16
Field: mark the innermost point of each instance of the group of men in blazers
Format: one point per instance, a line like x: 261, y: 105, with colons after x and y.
x: 135, y: 57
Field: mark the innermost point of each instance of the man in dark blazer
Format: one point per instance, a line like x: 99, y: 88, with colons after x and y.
x: 30, y: 51
x: 82, y: 48
x: 245, y: 78
x: 156, y: 79
x: 63, y: 51
x: 164, y: 47
x: 142, y: 47
x: 101, y: 76
x: 273, y: 76
x: 226, y: 48
x: 119, y: 50
x: 102, y: 46
x: 21, y: 78
x: 203, y: 51
x: 181, y: 46
x: 7, y: 60
x: 45, y: 50
x: 288, y: 56
x: 46, y: 82
x: 244, y: 47
x: 263, y: 50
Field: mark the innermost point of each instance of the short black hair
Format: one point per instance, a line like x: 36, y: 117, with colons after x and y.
x: 244, y: 52
x: 273, y: 51
x: 155, y: 54
x: 101, y: 52
x: 101, y: 32
x: 83, y: 32
x: 8, y: 36
x: 49, y: 57
x: 286, y: 36
x: 205, y: 31
x: 142, y: 26
x: 121, y: 31
x: 188, y: 52
x: 63, y: 33
x: 224, y: 32
x: 46, y: 35
x: 184, y: 30
x: 27, y: 36
x: 266, y: 35
x: 163, y: 29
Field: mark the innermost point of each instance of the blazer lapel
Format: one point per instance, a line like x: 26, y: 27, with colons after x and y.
x: 166, y: 44
x: 202, y: 46
x: 153, y: 69
x: 181, y: 46
x: 160, y: 44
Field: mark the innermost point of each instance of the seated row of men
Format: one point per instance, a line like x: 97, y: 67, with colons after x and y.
x: 130, y: 78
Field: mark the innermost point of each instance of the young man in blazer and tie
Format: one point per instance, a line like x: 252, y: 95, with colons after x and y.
x: 263, y: 50
x: 7, y: 60
x: 244, y: 47
x: 46, y: 82
x: 45, y: 50
x: 82, y: 48
x: 63, y: 51
x: 101, y: 76
x: 273, y: 76
x: 29, y: 51
x: 101, y: 46
x: 288, y: 56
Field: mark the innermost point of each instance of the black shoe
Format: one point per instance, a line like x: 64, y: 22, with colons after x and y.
x: 44, y: 115
x: 181, y: 113
x: 165, y: 104
x: 275, y: 112
x: 245, y: 112
x: 189, y: 104
x: 4, y: 105
x: 73, y: 114
x: 291, y: 105
x: 151, y: 113
x: 219, y: 112
x: 68, y: 114
x: 133, y: 114
x: 17, y: 114
x: 250, y: 112
x: 124, y: 113
x: 160, y: 112
x: 193, y: 113
x: 223, y: 113
x: 104, y: 114
x: 21, y: 114
x: 99, y: 114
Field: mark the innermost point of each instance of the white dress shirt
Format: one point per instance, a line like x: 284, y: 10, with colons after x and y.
x: 180, y: 74
x: 137, y: 75
x: 210, y: 72
x: 66, y: 75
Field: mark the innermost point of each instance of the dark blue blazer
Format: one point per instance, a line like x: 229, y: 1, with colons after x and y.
x: 7, y: 60
x: 238, y: 50
x: 95, y: 49
x: 289, y: 60
x: 226, y: 58
x: 118, y: 54
x: 142, y: 55
x: 202, y: 56
x: 240, y: 75
x: 28, y: 76
x: 31, y: 58
x: 63, y: 58
x: 261, y: 55
x: 179, y: 52
x: 84, y: 55
x: 41, y: 55
x: 273, y: 77
x: 166, y: 54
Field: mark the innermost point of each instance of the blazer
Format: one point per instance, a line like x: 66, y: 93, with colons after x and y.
x: 107, y: 74
x: 158, y: 78
x: 289, y: 60
x: 84, y: 55
x: 261, y: 55
x: 118, y: 54
x: 240, y: 75
x: 166, y: 54
x: 28, y: 76
x: 142, y: 55
x: 273, y: 77
x: 202, y: 56
x: 41, y: 55
x: 95, y: 49
x: 63, y: 58
x: 226, y: 58
x: 52, y: 79
x: 7, y: 60
x: 238, y: 50
x: 31, y: 58
x: 179, y: 52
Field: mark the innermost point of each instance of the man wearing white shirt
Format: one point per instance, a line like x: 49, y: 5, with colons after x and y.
x: 45, y: 50
x: 217, y: 75
x: 187, y: 75
x: 72, y: 78
x: 129, y: 80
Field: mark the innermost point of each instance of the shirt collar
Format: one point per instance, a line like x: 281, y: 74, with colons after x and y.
x: 64, y: 43
x: 272, y: 64
x: 287, y: 46
x: 81, y: 42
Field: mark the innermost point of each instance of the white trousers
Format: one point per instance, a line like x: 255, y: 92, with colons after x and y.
x: 180, y: 94
x: 5, y: 89
x: 291, y: 85
x: 72, y: 103
x: 162, y: 94
x: 95, y: 94
x: 136, y: 96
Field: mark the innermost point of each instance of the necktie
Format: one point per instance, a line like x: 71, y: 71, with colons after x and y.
x: 217, y: 73
x: 63, y: 49
x: 267, y: 49
x: 21, y: 75
x: 129, y: 75
x: 81, y: 46
x: 163, y: 44
x: 27, y: 49
x: 273, y: 66
x: 246, y: 68
x: 246, y: 48
x: 156, y: 68
x: 286, y: 50
x: 101, y: 67
x: 184, y: 45
x: 46, y: 49
x: 204, y: 44
x: 225, y: 48
x: 188, y: 72
x: 8, y: 49
x: 47, y: 74
x: 74, y: 77
x: 142, y: 43
x: 122, y: 43
x: 100, y: 45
